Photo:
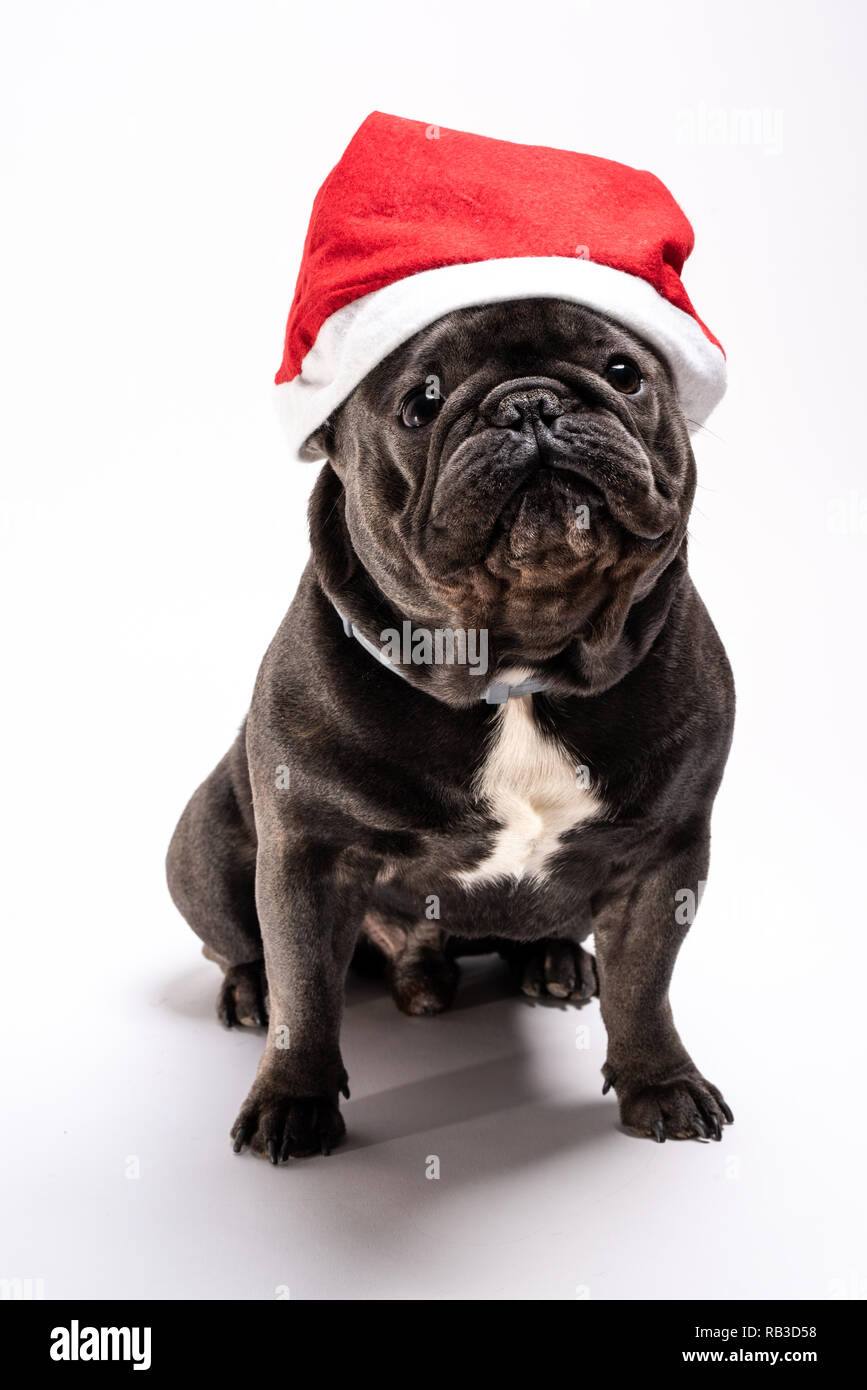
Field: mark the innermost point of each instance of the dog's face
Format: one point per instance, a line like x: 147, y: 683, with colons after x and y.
x: 523, y: 467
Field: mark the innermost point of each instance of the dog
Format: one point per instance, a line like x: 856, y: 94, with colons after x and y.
x: 521, y: 470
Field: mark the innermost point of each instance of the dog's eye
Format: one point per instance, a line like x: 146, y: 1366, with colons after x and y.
x: 421, y: 405
x: 623, y: 375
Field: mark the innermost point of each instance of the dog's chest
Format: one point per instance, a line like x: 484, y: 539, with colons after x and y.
x: 536, y: 793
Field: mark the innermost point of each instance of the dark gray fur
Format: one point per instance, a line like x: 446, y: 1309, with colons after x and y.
x: 467, y: 522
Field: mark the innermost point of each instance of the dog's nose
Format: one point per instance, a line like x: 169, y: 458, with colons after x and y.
x: 515, y: 404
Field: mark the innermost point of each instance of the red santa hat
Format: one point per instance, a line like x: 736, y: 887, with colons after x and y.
x: 417, y: 220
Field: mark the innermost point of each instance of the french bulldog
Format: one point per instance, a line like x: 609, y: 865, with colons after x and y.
x: 495, y: 717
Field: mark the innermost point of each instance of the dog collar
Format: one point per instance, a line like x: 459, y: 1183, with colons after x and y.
x: 497, y: 693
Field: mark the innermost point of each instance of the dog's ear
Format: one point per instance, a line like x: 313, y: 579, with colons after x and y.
x: 333, y: 555
x: 321, y: 441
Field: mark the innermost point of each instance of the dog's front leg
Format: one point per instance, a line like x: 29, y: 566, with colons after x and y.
x: 660, y: 1089
x: 310, y: 913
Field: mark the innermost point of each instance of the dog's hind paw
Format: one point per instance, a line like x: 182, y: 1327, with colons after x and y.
x: 423, y: 982
x: 243, y: 997
x: 560, y: 970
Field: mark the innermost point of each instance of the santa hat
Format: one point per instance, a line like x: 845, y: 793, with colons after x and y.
x: 417, y: 220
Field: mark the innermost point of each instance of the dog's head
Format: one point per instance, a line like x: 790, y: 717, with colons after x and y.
x: 522, y: 467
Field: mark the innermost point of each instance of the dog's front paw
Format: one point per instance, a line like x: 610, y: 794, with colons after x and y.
x: 558, y: 970
x: 279, y: 1127
x: 683, y: 1107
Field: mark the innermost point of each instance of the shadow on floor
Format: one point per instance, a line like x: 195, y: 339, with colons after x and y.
x: 457, y: 1081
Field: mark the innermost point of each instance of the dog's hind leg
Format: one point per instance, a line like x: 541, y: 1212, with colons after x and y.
x: 211, y: 868
x: 422, y: 977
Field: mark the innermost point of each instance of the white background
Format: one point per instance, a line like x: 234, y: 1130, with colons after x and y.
x: 159, y: 162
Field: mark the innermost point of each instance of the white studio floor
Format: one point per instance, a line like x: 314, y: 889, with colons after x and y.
x: 540, y: 1194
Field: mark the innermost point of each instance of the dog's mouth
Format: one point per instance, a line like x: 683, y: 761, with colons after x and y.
x: 578, y: 487
x: 607, y: 472
x: 553, y: 504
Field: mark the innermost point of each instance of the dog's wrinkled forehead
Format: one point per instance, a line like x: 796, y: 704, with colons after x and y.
x: 517, y: 339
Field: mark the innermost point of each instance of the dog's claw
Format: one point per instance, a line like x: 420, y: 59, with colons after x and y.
x: 273, y: 1152
x: 712, y: 1120
x: 659, y: 1131
x: 344, y: 1090
x: 730, y: 1119
x: 241, y: 1135
x: 606, y: 1086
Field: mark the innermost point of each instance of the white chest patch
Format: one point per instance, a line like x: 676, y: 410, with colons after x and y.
x: 535, y: 792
